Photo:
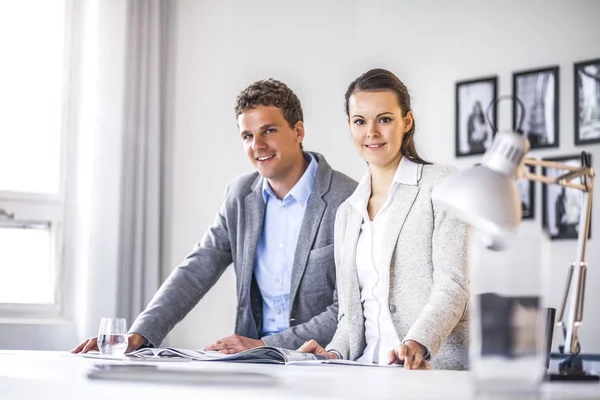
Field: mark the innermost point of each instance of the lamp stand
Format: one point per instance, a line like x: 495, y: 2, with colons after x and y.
x: 571, y: 368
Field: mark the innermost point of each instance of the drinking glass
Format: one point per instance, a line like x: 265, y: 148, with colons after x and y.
x: 112, y: 336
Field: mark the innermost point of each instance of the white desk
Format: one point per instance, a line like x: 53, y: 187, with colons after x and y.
x: 52, y: 375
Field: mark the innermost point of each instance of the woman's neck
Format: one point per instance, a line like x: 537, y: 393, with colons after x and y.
x: 382, y: 178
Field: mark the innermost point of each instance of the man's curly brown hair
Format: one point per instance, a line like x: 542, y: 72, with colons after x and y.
x: 271, y: 92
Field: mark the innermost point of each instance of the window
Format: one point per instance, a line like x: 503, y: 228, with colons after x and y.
x: 32, y: 153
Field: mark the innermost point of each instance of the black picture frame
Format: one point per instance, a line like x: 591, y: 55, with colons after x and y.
x: 526, y: 190
x: 538, y: 90
x: 586, y: 81
x: 571, y: 200
x: 473, y: 133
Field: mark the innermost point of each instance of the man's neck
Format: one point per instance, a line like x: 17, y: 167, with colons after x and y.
x: 281, y: 187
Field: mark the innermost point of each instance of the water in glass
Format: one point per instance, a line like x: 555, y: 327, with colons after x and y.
x: 112, y: 336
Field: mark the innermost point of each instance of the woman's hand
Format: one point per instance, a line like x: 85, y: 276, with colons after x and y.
x: 313, y: 347
x: 411, y: 354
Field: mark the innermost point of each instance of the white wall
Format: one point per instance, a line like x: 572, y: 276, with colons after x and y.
x: 317, y: 47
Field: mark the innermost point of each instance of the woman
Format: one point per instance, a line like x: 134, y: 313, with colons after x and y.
x: 401, y: 261
x: 477, y: 130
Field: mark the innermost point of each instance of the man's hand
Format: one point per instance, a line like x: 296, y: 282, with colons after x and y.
x: 313, y: 347
x: 234, y: 344
x: 411, y: 354
x: 134, y: 342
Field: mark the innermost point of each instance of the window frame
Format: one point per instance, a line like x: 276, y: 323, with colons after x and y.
x: 51, y: 209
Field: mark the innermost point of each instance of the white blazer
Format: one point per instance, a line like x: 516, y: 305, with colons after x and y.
x: 429, y: 277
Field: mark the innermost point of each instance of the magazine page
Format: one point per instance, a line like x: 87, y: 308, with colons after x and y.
x: 266, y: 354
x: 198, y: 355
x: 269, y: 355
x: 343, y: 362
x: 296, y: 356
x: 145, y: 352
x: 170, y: 352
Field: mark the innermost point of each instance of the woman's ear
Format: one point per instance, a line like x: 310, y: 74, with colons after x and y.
x: 408, y: 121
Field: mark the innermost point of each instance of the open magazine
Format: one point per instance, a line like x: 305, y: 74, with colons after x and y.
x: 265, y: 355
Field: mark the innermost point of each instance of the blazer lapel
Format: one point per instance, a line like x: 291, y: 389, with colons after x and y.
x: 400, y: 206
x: 254, y: 208
x: 310, y: 223
x: 348, y: 263
x: 308, y: 231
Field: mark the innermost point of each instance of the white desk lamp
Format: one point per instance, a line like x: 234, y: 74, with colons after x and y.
x: 486, y: 197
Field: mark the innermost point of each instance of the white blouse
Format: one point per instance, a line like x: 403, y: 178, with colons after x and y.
x: 374, y: 274
x: 374, y: 282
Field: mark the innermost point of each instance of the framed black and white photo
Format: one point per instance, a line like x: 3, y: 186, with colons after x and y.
x: 526, y: 190
x: 538, y: 90
x: 562, y: 207
x: 474, y: 134
x: 587, y: 102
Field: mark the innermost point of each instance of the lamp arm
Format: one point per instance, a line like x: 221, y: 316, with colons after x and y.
x: 554, y: 181
x: 578, y: 269
x: 563, y: 180
x: 549, y: 164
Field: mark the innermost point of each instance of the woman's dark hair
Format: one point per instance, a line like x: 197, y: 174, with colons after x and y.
x: 380, y: 80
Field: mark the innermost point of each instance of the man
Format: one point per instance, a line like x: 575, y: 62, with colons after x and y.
x: 276, y: 226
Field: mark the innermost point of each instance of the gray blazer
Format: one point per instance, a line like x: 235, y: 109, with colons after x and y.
x: 233, y: 238
x: 429, y: 279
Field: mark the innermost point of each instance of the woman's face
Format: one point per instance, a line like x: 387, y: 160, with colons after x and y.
x: 377, y: 126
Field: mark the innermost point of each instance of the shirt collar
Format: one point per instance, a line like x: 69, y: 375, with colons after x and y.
x: 407, y: 173
x: 301, y: 190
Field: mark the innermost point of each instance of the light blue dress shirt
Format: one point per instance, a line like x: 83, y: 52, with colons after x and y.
x: 277, y: 248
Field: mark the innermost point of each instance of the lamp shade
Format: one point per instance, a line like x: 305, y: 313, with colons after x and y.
x: 486, y: 196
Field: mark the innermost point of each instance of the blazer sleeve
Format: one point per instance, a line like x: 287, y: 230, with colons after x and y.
x: 450, y: 292
x: 341, y: 340
x: 187, y: 284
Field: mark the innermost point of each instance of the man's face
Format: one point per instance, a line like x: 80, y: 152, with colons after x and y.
x: 271, y: 145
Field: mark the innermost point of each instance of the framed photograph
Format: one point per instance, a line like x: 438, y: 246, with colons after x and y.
x: 538, y: 90
x: 562, y: 207
x: 474, y: 134
x: 587, y: 102
x: 526, y: 190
